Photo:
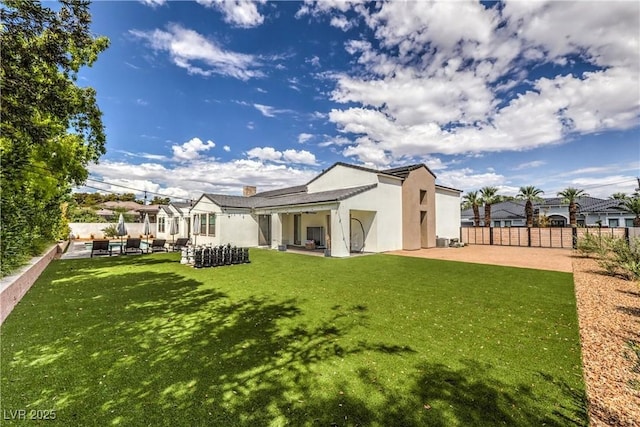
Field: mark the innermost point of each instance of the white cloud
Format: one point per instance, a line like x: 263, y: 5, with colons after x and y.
x: 269, y: 111
x: 241, y: 13
x: 251, y: 125
x: 605, y: 186
x: 301, y: 157
x: 435, y: 80
x: 188, y: 48
x: 467, y: 179
x: 290, y: 156
x: 314, y: 61
x: 153, y: 3
x: 226, y: 148
x: 304, y: 137
x: 142, y: 102
x: 529, y: 165
x: 265, y: 153
x: 191, y: 149
x: 341, y: 22
x: 190, y: 180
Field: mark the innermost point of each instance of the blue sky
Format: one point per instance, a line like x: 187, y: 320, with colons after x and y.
x: 209, y: 96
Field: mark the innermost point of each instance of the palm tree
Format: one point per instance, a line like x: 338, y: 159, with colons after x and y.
x: 530, y: 194
x: 632, y: 205
x: 618, y: 196
x: 473, y: 200
x: 571, y: 195
x: 488, y: 197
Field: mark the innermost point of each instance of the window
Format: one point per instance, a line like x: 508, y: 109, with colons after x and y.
x: 507, y: 223
x: 203, y: 224
x: 212, y: 224
x: 613, y: 222
x: 423, y: 197
x: 628, y: 222
x: 161, y: 220
x: 496, y: 223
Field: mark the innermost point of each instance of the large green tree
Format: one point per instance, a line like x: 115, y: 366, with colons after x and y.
x: 489, y: 196
x: 571, y: 195
x: 51, y: 127
x: 530, y: 194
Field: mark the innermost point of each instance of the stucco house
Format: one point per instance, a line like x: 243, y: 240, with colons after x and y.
x: 345, y: 209
x: 592, y: 212
x: 178, y: 212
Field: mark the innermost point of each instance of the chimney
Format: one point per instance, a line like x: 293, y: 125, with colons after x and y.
x: 248, y: 191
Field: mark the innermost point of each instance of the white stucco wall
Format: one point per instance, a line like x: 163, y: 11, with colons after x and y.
x: 447, y: 213
x: 84, y: 230
x: 386, y: 201
x: 342, y: 177
x: 239, y: 229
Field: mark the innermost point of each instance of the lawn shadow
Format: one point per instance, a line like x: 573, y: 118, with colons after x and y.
x: 442, y: 396
x: 154, y: 348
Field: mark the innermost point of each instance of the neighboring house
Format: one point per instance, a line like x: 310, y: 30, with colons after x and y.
x: 165, y: 216
x: 592, y: 212
x: 346, y: 208
x: 180, y: 214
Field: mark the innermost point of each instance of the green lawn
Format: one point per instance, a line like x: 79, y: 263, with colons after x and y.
x: 295, y: 340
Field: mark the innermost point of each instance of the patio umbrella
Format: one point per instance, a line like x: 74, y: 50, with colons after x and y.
x: 173, y: 229
x: 195, y: 230
x: 146, y: 228
x: 121, y: 229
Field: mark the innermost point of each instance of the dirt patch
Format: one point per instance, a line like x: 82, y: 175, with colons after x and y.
x: 608, y: 315
x: 512, y: 256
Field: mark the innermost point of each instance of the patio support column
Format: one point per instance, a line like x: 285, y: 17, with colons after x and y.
x: 276, y: 230
x: 340, y: 233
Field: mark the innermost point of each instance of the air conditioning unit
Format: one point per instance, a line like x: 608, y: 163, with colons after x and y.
x: 441, y: 242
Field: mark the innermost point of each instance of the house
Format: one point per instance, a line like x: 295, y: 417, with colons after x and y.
x: 179, y: 213
x: 592, y: 212
x: 346, y: 209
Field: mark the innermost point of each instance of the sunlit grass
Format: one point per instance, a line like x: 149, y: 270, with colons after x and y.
x: 295, y: 340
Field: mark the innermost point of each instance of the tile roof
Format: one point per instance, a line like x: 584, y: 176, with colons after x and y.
x: 510, y: 209
x: 225, y: 201
x: 362, y: 168
x: 403, y: 171
x: 282, y: 191
x: 181, y: 205
x: 319, y: 197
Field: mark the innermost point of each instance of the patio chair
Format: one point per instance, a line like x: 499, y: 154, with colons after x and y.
x: 100, y: 247
x: 180, y: 243
x: 132, y: 246
x: 158, y: 245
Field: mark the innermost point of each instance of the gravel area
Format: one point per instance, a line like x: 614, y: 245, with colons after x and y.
x: 609, y: 318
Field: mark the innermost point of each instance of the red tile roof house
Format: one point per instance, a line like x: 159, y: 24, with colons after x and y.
x: 346, y: 209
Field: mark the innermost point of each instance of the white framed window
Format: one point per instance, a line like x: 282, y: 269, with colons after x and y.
x: 161, y: 224
x: 614, y: 222
x: 212, y: 224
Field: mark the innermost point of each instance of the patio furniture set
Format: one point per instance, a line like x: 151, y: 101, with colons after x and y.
x: 135, y: 246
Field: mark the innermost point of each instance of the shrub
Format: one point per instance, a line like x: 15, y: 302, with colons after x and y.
x: 110, y: 231
x: 589, y: 245
x: 620, y: 258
